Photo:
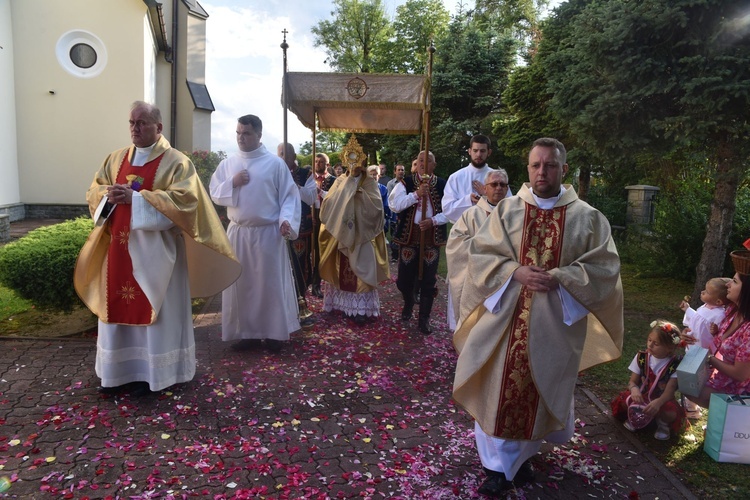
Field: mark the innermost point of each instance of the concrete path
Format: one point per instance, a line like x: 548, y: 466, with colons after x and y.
x: 341, y: 412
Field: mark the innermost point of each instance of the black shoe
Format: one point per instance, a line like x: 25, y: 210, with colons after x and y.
x: 139, y: 389
x: 424, y: 326
x: 525, y: 474
x: 274, y: 345
x: 406, y: 312
x: 317, y: 292
x: 360, y: 320
x: 495, y: 485
x: 246, y: 345
x: 109, y: 391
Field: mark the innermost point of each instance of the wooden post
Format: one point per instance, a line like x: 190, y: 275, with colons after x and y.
x: 426, y: 178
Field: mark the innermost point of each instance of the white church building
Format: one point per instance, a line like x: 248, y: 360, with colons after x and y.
x: 69, y: 70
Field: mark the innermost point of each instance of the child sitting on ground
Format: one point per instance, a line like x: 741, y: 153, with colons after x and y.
x: 652, y: 385
x: 699, y: 321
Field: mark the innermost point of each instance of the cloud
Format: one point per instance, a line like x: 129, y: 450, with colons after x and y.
x: 244, y: 71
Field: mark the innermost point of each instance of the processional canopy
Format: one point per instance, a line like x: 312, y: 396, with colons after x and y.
x: 358, y: 102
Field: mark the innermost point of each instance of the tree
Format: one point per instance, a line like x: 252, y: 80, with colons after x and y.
x: 417, y: 24
x: 356, y: 38
x: 662, y: 76
x: 471, y: 71
x: 324, y: 141
x: 520, y: 18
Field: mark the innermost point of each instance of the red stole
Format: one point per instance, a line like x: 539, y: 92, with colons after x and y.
x: 347, y: 278
x: 541, y: 246
x: 126, y: 302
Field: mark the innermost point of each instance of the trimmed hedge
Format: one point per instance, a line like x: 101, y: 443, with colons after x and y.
x: 39, y: 266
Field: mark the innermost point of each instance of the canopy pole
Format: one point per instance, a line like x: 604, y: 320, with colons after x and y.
x: 285, y: 90
x: 426, y: 178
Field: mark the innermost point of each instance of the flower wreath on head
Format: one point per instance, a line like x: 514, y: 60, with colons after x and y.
x: 672, y: 330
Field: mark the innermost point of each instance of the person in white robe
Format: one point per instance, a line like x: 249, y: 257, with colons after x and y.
x: 263, y: 207
x: 157, y: 241
x: 464, y: 189
x: 542, y: 300
x: 466, y: 186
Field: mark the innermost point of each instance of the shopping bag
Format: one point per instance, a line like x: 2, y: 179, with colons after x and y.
x: 728, y: 430
x: 693, y: 371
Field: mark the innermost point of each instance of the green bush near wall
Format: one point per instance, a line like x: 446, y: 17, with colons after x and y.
x: 39, y: 266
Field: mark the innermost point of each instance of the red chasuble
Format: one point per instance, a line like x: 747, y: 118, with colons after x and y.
x: 126, y: 302
x: 541, y: 246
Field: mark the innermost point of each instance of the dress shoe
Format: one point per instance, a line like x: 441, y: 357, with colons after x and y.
x: 360, y: 320
x: 139, y: 389
x: 274, y: 345
x: 110, y: 390
x: 495, y: 486
x: 406, y: 312
x: 247, y: 345
x: 424, y: 326
x: 525, y: 474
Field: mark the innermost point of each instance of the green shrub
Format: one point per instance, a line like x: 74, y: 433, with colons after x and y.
x: 39, y: 266
x: 205, y: 164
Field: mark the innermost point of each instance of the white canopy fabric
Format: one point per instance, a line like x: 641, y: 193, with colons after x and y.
x: 359, y: 102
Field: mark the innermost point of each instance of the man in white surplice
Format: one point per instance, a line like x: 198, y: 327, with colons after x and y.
x: 263, y: 206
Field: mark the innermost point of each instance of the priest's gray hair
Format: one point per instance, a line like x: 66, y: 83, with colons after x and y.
x: 152, y: 110
x: 499, y: 172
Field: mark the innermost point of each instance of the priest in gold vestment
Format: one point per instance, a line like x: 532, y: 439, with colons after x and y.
x: 542, y: 301
x: 353, y: 254
x: 157, y: 242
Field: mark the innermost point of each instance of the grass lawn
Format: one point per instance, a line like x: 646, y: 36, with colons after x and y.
x: 11, y: 304
x: 647, y: 299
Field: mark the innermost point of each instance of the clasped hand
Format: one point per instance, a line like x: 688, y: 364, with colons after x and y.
x: 240, y: 178
x: 536, y: 278
x: 119, y: 194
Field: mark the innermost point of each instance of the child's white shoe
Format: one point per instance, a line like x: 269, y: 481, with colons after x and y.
x: 628, y: 426
x: 662, y: 431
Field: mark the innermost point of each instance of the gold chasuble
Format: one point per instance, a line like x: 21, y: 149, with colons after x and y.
x: 353, y: 254
x: 103, y: 276
x: 518, y: 363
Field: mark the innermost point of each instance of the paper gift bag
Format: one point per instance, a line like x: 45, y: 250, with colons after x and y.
x: 693, y: 371
x: 728, y: 431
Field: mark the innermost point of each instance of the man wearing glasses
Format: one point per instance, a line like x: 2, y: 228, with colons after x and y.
x: 457, y: 248
x: 466, y: 186
x: 464, y: 190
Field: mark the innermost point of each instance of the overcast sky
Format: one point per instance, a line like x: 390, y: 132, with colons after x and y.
x: 244, y: 62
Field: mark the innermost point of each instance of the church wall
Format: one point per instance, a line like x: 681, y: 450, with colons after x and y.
x: 9, y: 186
x: 67, y: 124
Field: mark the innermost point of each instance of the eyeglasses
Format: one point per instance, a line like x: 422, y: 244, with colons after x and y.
x: 496, y: 184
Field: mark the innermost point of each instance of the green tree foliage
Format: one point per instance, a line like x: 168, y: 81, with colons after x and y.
x: 39, y: 266
x: 520, y: 18
x: 324, y: 141
x: 663, y: 76
x: 417, y: 24
x: 205, y: 165
x: 471, y: 71
x: 356, y: 37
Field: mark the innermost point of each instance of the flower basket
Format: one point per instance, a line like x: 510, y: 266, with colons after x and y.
x: 741, y: 261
